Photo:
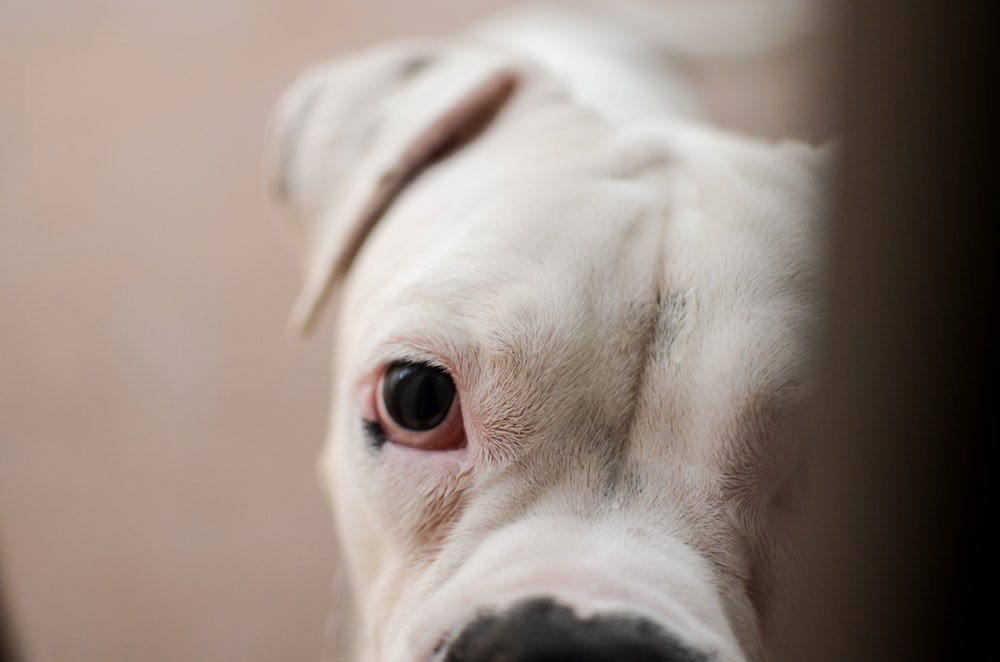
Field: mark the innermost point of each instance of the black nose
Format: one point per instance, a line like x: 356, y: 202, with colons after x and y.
x: 542, y: 630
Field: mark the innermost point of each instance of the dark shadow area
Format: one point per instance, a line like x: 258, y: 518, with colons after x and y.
x: 903, y: 567
x: 8, y: 645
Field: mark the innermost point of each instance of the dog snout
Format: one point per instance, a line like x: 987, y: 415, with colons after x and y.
x: 542, y: 630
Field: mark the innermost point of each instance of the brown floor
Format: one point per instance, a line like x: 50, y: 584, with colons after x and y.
x: 158, y: 499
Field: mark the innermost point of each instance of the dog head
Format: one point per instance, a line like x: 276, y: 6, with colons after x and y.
x: 567, y: 361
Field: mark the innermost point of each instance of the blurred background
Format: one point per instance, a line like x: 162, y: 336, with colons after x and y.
x: 158, y: 432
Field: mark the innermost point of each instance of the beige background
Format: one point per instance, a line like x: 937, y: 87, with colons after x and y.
x: 158, y: 499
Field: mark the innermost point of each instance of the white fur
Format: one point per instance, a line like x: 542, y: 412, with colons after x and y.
x: 624, y: 299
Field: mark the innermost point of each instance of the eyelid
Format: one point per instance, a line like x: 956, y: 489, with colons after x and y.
x: 365, y: 390
x: 397, y: 349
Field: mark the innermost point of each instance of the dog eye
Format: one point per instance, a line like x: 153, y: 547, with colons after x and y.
x: 416, y: 396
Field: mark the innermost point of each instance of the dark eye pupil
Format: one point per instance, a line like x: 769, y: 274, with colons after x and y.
x: 417, y: 396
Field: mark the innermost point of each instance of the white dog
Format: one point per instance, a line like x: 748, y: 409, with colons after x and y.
x: 572, y: 332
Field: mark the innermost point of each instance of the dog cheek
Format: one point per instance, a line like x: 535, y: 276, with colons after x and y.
x: 418, y: 495
x: 437, y: 519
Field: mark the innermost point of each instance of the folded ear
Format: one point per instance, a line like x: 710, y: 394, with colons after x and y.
x: 354, y: 133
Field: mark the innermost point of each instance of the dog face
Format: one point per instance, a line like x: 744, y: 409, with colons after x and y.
x: 567, y: 361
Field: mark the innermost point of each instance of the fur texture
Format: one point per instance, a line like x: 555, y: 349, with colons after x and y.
x: 625, y: 299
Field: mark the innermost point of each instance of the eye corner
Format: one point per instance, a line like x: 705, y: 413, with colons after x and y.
x: 374, y: 433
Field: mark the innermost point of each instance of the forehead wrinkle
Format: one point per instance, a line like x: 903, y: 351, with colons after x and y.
x: 624, y: 345
x: 647, y: 348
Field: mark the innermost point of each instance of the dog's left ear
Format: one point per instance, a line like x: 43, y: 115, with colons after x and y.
x: 354, y: 133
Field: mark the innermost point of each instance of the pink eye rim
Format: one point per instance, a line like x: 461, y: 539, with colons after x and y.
x: 444, y: 432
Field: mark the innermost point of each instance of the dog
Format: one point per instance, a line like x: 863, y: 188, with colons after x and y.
x: 574, y: 330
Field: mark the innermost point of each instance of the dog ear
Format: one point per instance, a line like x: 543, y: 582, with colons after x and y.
x: 354, y: 133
